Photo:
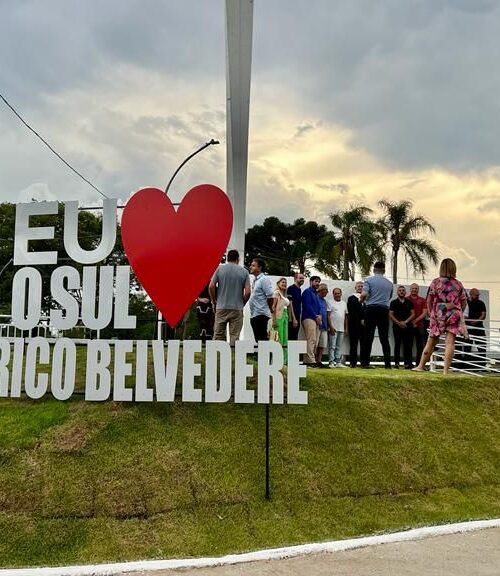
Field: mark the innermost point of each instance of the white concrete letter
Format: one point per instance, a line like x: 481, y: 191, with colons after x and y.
x: 242, y: 371
x: 142, y: 392
x: 270, y: 364
x: 108, y: 237
x: 60, y: 294
x: 36, y: 387
x: 190, y: 369
x: 26, y: 280
x: 17, y: 368
x: 23, y: 234
x: 98, y: 378
x: 295, y: 372
x: 63, y: 355
x: 102, y: 297
x: 165, y: 376
x: 122, y: 369
x: 4, y: 370
x: 217, y: 371
x: 122, y: 318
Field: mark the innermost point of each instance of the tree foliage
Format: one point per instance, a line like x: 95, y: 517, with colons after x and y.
x: 402, y: 232
x: 355, y: 242
x: 286, y: 248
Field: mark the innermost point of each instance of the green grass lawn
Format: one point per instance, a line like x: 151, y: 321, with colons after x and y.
x: 372, y: 452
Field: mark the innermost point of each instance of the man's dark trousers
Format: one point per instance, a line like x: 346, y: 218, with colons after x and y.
x: 356, y: 336
x: 420, y: 338
x: 259, y: 327
x: 376, y: 317
x: 404, y: 336
x: 293, y: 331
x: 479, y: 343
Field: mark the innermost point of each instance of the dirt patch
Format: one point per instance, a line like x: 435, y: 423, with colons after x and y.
x: 87, y: 422
x: 75, y: 437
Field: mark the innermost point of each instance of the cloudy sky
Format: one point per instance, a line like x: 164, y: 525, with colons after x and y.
x: 351, y: 102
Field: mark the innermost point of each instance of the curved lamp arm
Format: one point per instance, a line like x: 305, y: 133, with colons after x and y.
x: 6, y: 265
x: 206, y: 145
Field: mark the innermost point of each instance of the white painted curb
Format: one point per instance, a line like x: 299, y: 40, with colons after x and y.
x: 271, y: 554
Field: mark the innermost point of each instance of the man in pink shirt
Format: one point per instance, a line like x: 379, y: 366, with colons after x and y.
x: 418, y: 323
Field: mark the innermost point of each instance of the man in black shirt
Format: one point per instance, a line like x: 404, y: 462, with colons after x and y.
x: 401, y: 313
x: 355, y: 323
x: 294, y: 292
x: 205, y: 315
x: 474, y: 322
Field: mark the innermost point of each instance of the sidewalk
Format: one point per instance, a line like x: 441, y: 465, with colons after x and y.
x: 470, y: 554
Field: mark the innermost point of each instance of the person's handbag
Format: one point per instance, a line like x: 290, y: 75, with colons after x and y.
x: 274, y: 335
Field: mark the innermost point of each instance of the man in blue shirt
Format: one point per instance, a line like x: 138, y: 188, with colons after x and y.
x: 261, y: 300
x: 377, y: 294
x: 311, y: 319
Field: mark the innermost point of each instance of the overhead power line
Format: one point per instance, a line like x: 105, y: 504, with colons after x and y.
x: 79, y: 174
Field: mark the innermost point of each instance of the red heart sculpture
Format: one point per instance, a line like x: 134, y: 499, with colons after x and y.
x: 174, y: 253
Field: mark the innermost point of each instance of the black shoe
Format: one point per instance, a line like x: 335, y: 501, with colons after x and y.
x: 396, y: 366
x: 389, y: 367
x: 408, y: 366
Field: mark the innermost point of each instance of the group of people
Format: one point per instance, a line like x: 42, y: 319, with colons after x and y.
x: 422, y: 320
x: 280, y: 311
x: 327, y: 322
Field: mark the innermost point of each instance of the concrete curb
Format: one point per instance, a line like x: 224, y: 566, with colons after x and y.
x: 270, y: 554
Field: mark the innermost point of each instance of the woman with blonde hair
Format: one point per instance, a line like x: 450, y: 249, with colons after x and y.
x: 281, y: 308
x: 446, y: 301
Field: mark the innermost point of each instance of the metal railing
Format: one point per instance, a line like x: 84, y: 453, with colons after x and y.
x: 43, y: 329
x: 478, y: 355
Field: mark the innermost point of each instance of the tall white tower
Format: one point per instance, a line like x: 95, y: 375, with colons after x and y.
x: 239, y: 26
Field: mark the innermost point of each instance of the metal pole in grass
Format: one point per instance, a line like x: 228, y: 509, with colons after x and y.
x: 268, y: 442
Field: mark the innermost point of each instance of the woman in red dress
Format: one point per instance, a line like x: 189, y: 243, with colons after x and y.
x: 446, y: 302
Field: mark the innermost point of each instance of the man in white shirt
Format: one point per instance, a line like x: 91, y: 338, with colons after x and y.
x: 337, y: 320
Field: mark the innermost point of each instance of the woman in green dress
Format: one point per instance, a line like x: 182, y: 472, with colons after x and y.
x: 282, y: 309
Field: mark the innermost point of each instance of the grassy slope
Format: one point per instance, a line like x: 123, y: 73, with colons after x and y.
x: 373, y: 451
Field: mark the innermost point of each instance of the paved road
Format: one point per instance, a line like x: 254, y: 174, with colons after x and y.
x: 470, y: 554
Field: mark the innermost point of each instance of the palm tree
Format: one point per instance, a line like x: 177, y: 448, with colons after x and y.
x: 402, y: 231
x: 327, y: 256
x: 358, y: 241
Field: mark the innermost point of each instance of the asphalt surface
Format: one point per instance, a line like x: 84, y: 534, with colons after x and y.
x: 470, y: 554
